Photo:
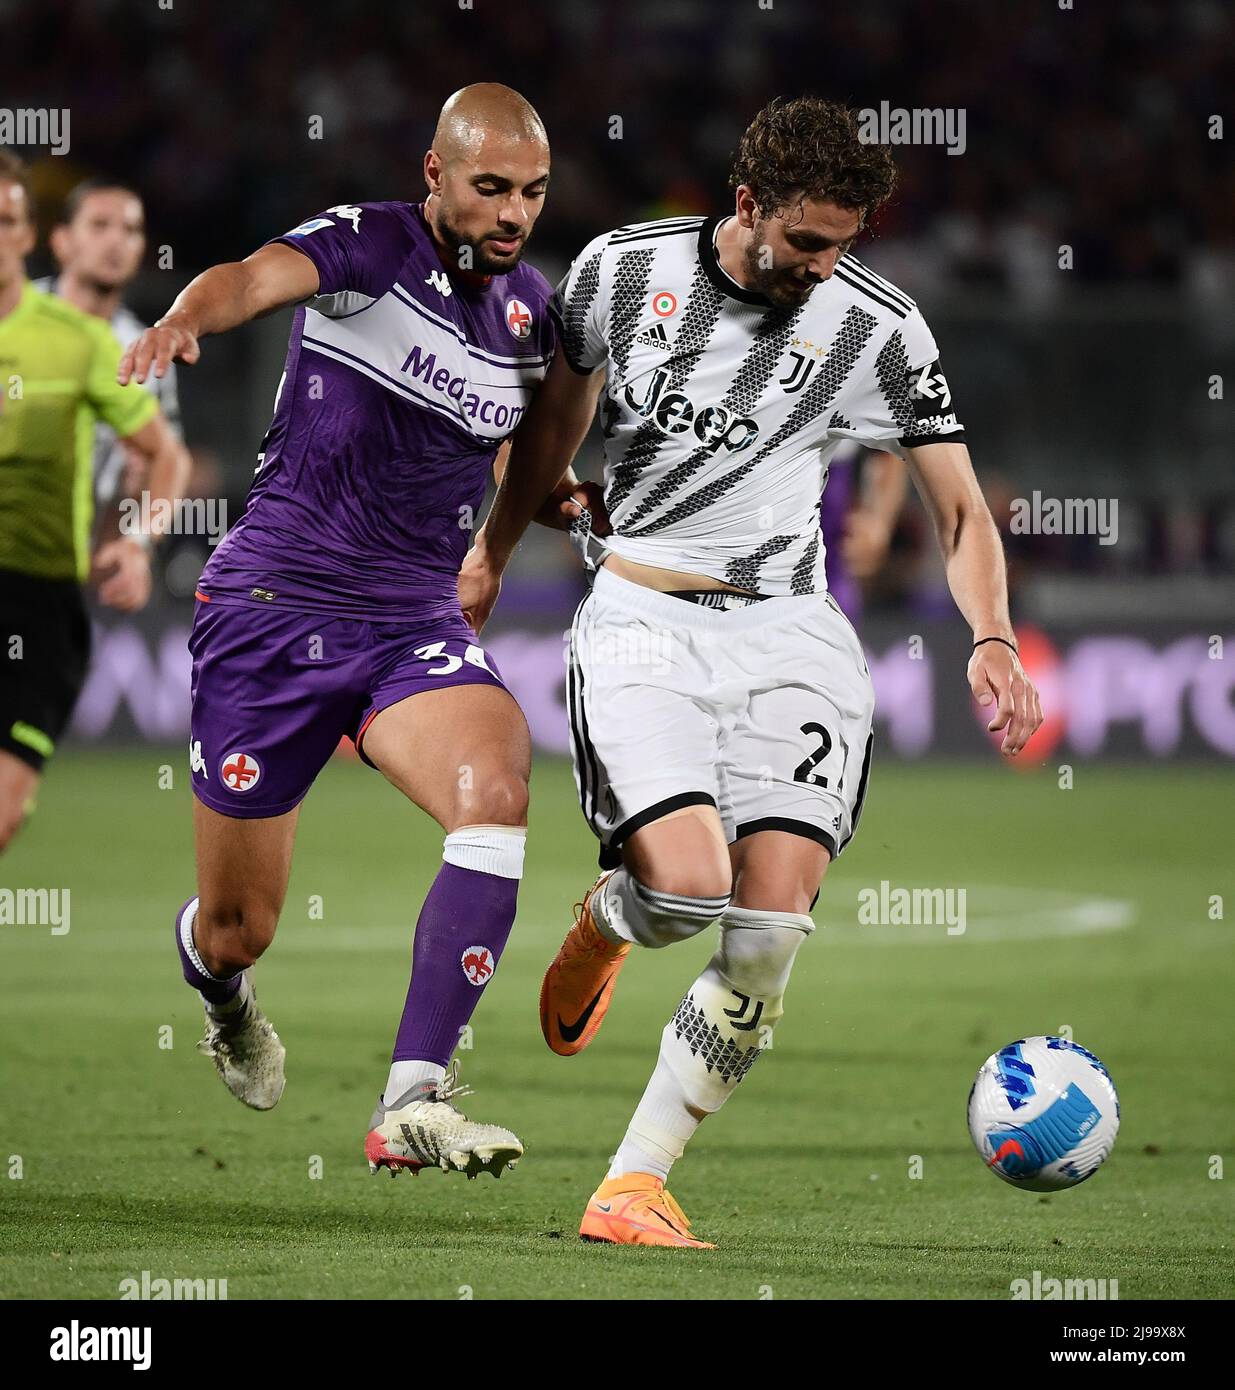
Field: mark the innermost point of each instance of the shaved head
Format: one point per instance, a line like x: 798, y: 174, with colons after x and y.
x: 487, y: 172
x: 473, y: 112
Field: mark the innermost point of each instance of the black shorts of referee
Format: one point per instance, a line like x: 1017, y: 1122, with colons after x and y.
x: 44, y: 654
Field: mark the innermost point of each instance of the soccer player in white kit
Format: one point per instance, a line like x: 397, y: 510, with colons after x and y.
x: 99, y: 244
x: 720, y: 703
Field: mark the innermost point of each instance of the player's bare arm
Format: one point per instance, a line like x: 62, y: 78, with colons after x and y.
x: 542, y: 450
x: 139, y: 476
x: 121, y: 564
x: 220, y: 298
x: 977, y: 577
x: 567, y: 502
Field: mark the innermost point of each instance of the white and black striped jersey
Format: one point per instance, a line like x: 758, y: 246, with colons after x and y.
x: 721, y: 410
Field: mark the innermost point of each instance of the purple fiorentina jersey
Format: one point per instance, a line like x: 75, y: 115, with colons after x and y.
x: 401, y: 382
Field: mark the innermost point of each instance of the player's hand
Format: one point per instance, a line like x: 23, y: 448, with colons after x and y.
x: 479, y: 586
x: 155, y: 350
x: 1000, y: 685
x: 121, y: 572
x: 561, y: 513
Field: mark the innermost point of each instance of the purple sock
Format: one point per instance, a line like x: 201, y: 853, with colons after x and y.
x: 460, y: 934
x: 210, y: 987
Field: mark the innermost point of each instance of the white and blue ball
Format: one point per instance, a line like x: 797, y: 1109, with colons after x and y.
x: 1043, y: 1113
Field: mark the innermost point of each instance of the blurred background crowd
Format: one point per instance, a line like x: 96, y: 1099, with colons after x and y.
x: 1076, y: 262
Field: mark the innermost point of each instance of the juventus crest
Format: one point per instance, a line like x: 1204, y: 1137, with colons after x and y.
x: 802, y: 364
x: 799, y: 372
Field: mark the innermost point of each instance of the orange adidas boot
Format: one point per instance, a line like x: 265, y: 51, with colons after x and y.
x: 635, y: 1209
x: 578, y: 985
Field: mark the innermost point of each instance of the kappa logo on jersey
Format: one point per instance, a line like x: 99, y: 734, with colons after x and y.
x: 664, y: 303
x: 518, y: 319
x: 348, y: 213
x: 715, y: 426
x: 240, y: 772
x: 196, y: 762
x: 478, y: 964
x: 654, y: 337
x: 440, y: 281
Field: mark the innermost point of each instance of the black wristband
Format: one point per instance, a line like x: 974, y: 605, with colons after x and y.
x: 1004, y: 640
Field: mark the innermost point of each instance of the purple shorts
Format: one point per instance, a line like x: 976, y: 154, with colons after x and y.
x: 274, y: 691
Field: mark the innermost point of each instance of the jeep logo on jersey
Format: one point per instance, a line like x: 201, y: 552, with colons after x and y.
x: 518, y: 319
x: 477, y: 963
x: 715, y: 426
x: 240, y: 772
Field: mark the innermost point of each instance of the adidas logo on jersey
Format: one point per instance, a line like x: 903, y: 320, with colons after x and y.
x: 715, y: 426
x: 654, y: 337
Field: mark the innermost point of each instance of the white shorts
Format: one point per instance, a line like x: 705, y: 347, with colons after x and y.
x: 763, y: 712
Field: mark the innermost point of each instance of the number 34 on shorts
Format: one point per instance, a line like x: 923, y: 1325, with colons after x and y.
x: 449, y: 663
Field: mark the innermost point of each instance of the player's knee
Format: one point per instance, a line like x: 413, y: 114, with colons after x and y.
x: 494, y: 798
x: 698, y: 880
x: 656, y: 918
x: 232, y: 936
x: 686, y: 857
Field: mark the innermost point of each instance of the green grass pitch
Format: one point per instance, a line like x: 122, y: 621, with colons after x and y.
x: 1087, y: 908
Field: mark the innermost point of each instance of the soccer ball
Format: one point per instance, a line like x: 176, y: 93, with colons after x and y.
x: 1043, y: 1113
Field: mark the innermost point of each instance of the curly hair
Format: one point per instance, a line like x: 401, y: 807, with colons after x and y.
x: 809, y: 148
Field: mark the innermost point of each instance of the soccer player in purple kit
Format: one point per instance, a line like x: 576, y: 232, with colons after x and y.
x: 331, y: 607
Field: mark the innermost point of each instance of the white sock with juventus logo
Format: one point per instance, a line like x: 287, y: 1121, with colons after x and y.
x: 715, y: 1037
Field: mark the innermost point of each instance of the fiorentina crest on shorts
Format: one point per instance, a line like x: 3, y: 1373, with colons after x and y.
x: 478, y: 965
x: 240, y: 772
x: 518, y: 319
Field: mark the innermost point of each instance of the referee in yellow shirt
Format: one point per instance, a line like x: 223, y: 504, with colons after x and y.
x: 57, y: 380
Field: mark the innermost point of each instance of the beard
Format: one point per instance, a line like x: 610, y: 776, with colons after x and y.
x: 483, y: 261
x: 785, y: 288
